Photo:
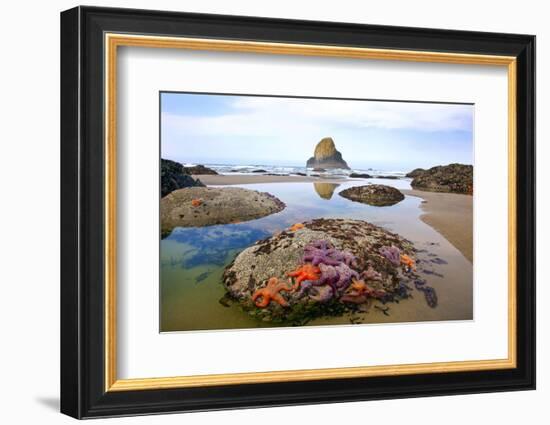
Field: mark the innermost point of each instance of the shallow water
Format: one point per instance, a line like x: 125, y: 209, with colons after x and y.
x: 193, y: 259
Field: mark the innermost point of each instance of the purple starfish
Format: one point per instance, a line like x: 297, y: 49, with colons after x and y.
x: 345, y: 257
x: 323, y: 252
x: 345, y: 276
x: 319, y: 252
x: 304, y: 288
x: 329, y: 276
x: 322, y: 293
x: 317, y: 257
x: 371, y: 274
x: 392, y: 253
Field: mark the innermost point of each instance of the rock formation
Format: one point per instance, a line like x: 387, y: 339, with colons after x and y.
x: 416, y: 172
x: 322, y: 267
x: 173, y: 176
x: 206, y: 206
x: 377, y: 195
x: 199, y: 169
x: 326, y: 156
x: 456, y: 178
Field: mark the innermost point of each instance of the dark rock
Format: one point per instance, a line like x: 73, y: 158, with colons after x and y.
x: 326, y: 156
x: 374, y: 194
x: 173, y: 176
x: 455, y: 178
x: 199, y: 169
x: 415, y: 173
x: 259, y: 171
x: 388, y: 177
x: 360, y: 176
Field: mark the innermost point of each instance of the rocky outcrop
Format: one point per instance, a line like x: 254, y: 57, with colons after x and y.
x: 322, y: 267
x: 326, y: 156
x: 455, y: 178
x: 206, y: 206
x: 199, y: 169
x: 377, y: 195
x: 173, y: 176
x: 415, y: 173
x: 360, y: 176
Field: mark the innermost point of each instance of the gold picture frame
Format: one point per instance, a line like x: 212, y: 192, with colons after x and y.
x: 114, y: 41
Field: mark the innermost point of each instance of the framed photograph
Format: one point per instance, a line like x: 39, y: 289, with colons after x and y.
x: 261, y: 212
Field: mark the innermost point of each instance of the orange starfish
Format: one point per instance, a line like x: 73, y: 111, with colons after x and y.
x: 408, y: 261
x: 196, y: 202
x: 271, y: 293
x: 306, y: 272
x: 296, y: 226
x: 361, y: 288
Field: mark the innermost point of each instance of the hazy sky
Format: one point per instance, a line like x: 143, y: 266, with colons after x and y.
x: 218, y: 129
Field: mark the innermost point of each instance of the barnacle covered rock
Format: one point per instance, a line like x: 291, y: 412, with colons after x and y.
x: 329, y: 264
x: 378, y: 195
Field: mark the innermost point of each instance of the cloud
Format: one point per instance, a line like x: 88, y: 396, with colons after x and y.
x: 272, y: 117
x: 244, y: 129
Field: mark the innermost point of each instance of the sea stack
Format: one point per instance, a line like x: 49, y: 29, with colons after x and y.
x: 326, y: 156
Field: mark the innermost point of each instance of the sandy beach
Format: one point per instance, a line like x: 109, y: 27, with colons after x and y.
x: 224, y: 179
x: 451, y: 215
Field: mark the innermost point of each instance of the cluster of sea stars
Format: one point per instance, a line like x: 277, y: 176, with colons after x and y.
x: 326, y: 272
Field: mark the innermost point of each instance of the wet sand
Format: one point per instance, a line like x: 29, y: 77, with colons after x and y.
x: 451, y: 215
x: 221, y: 180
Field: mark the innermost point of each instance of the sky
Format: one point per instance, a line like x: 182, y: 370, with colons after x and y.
x: 254, y: 130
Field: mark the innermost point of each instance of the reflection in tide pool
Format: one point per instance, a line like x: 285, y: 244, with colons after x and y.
x: 193, y: 259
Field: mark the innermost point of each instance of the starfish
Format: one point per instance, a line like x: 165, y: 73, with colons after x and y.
x: 271, y: 293
x: 317, y: 256
x: 347, y: 257
x: 391, y: 253
x: 329, y: 276
x: 408, y: 262
x: 196, y: 202
x: 322, y: 293
x: 346, y: 274
x: 296, y: 227
x: 360, y: 292
x: 371, y: 274
x: 305, y: 272
x: 304, y: 289
x: 323, y: 252
x: 360, y: 287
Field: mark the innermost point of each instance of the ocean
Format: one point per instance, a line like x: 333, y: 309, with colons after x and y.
x: 232, y: 169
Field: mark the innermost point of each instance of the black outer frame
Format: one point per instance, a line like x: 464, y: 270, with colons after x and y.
x: 82, y: 206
